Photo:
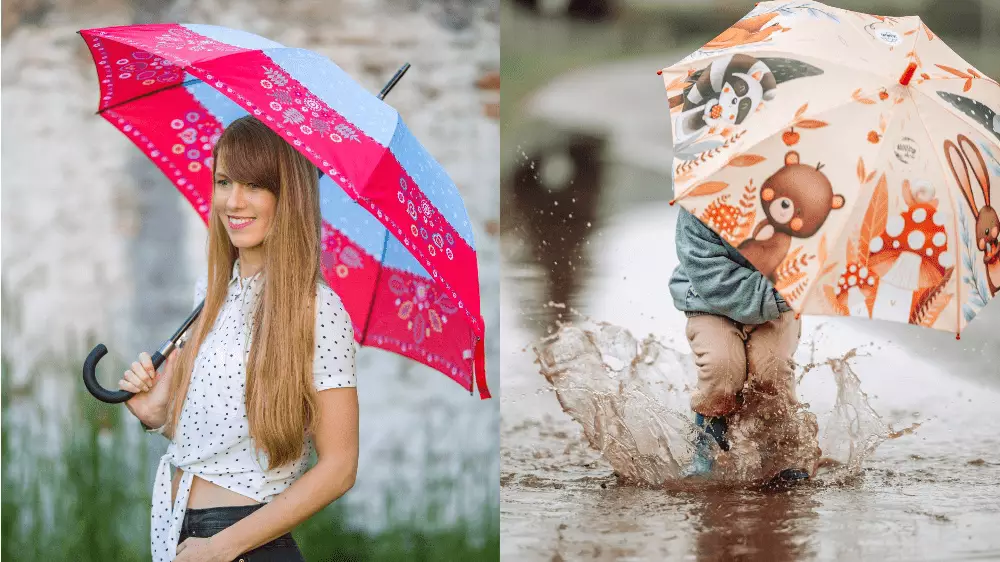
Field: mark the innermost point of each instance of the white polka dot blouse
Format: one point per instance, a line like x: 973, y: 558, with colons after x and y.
x: 212, y: 439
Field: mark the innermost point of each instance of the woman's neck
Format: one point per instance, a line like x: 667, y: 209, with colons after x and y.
x: 251, y: 262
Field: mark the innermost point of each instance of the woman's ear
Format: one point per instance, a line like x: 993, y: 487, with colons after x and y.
x: 838, y: 201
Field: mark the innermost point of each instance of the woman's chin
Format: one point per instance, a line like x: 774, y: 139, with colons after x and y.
x: 243, y: 242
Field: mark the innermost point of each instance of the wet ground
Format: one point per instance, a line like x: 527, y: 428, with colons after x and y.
x: 585, y: 234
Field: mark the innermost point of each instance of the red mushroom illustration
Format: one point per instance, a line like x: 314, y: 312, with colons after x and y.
x: 911, y: 256
x: 856, y: 289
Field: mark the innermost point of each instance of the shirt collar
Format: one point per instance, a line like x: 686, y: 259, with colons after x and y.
x: 242, y: 280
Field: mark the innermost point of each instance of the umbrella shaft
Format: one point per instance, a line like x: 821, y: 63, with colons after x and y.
x: 399, y: 74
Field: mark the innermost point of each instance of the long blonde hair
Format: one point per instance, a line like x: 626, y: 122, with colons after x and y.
x: 281, y: 401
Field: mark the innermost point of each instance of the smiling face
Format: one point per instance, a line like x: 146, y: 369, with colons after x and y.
x: 245, y: 209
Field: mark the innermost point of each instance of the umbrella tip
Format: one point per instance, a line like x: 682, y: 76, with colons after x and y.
x: 958, y: 336
x: 672, y: 201
x: 659, y: 72
x: 908, y: 73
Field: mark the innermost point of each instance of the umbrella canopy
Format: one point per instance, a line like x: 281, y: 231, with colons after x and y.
x: 398, y: 243
x: 851, y: 158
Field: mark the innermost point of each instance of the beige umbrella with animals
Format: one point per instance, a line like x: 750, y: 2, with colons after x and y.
x: 852, y: 158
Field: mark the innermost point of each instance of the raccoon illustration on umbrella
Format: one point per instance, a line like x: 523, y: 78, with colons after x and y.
x: 727, y: 92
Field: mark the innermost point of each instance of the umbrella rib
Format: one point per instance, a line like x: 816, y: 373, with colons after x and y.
x: 956, y: 208
x: 885, y: 146
x: 147, y: 94
x: 378, y: 277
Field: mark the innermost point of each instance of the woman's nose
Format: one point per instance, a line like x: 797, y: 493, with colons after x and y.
x: 236, y: 198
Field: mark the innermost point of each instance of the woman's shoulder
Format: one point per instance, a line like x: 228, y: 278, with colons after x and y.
x: 200, y: 288
x: 333, y: 362
x: 330, y: 307
x: 327, y: 297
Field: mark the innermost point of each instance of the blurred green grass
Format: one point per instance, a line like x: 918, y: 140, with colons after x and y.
x: 90, y: 502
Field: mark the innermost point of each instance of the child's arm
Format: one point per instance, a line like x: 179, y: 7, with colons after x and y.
x: 739, y: 292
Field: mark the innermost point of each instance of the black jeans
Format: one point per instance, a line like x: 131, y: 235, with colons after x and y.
x: 204, y: 523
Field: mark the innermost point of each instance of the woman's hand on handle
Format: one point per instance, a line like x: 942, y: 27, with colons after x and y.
x: 151, y: 389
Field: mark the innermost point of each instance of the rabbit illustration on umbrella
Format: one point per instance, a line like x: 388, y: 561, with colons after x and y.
x: 967, y: 162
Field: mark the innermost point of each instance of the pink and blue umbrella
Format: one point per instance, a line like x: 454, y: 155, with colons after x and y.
x: 397, y: 240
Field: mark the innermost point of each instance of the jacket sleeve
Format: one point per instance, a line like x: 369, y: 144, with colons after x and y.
x: 733, y: 290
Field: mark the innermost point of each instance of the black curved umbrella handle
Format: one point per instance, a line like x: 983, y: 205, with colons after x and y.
x: 95, y: 388
x: 158, y: 357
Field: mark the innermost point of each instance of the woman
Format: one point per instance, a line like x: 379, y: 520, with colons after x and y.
x: 267, y: 374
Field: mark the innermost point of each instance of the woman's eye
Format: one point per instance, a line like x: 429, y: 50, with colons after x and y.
x: 222, y: 183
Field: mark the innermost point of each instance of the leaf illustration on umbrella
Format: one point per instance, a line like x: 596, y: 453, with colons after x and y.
x: 811, y: 124
x: 960, y: 74
x: 833, y: 302
x: 822, y: 256
x: 707, y: 188
x: 930, y: 305
x: 980, y: 293
x: 927, y: 30
x: 852, y: 251
x: 875, y: 218
x: 745, y: 160
x: 861, y: 172
x: 856, y: 95
x: 695, y: 150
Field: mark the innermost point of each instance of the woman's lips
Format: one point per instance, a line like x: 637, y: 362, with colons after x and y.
x: 236, y: 223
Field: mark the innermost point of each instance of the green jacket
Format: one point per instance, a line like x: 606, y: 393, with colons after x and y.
x: 714, y: 278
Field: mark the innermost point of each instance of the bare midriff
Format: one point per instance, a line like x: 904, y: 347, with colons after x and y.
x: 205, y: 494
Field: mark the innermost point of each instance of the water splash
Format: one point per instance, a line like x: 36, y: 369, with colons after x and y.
x: 631, y: 397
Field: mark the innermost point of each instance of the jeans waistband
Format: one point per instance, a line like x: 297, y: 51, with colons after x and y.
x: 210, y: 521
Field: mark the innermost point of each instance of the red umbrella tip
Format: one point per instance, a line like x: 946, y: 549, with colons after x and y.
x: 958, y: 336
x: 672, y: 201
x: 908, y: 73
x: 659, y: 72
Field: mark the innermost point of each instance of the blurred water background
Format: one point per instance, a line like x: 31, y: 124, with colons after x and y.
x: 586, y: 232
x: 99, y: 247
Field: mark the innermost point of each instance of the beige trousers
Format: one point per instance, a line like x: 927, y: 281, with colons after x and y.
x: 730, y: 355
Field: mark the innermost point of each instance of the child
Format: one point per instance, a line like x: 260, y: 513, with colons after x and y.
x: 741, y: 331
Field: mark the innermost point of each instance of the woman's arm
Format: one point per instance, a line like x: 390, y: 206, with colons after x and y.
x: 336, y: 441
